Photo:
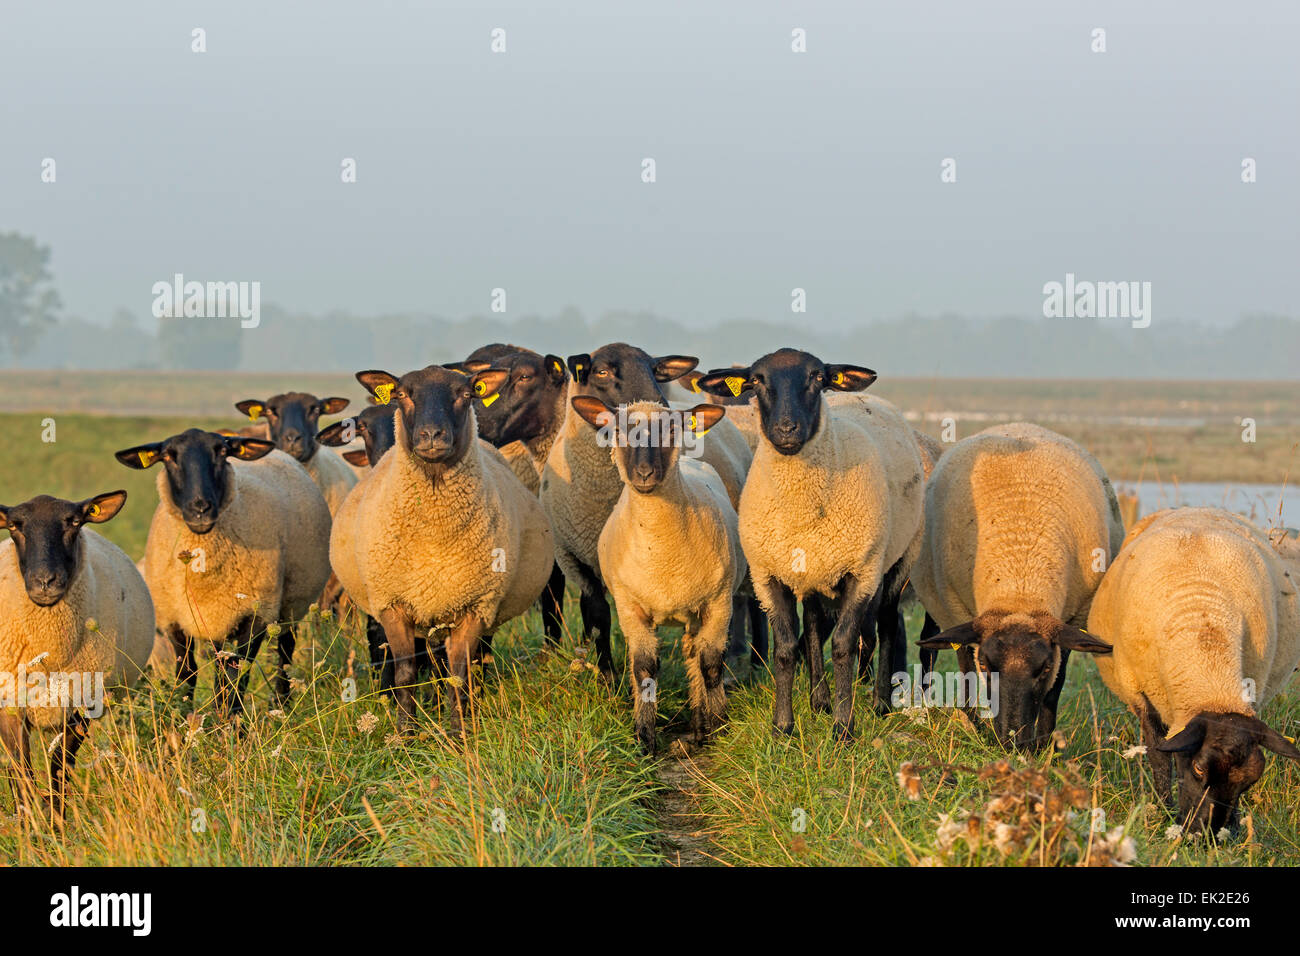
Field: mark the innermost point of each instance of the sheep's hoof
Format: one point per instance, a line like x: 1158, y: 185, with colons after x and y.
x: 782, y: 731
x: 820, y: 700
x: 843, y: 732
x: 881, y: 707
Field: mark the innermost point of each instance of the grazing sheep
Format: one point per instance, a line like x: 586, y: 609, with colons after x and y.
x: 1204, y: 617
x: 291, y: 418
x: 441, y: 533
x: 74, y: 605
x: 1020, y: 525
x: 579, y: 482
x: 832, y: 510
x: 670, y: 552
x: 240, y: 535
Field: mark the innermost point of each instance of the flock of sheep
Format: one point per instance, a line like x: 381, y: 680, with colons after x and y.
x: 771, y: 496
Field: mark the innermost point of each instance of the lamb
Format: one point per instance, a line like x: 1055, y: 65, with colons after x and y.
x: 240, y: 535
x: 670, y: 551
x: 831, y: 510
x: 441, y: 533
x: 1204, y: 617
x: 1020, y: 525
x: 291, y: 418
x: 76, y: 610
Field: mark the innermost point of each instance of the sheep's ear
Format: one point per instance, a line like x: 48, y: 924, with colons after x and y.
x: 1270, y: 739
x: 954, y: 637
x: 101, y: 508
x: 357, y: 456
x: 4, y: 516
x: 593, y: 411
x: 468, y: 367
x: 254, y: 408
x: 1186, y: 741
x: 703, y: 417
x: 692, y: 381
x: 555, y: 369
x: 580, y: 367
x: 227, y: 432
x: 379, y: 384
x: 141, y: 456
x: 669, y: 367
x: 487, y: 384
x: 1074, y: 639
x: 333, y: 405
x: 849, y: 378
x: 249, y: 449
x: 333, y: 434
x: 724, y: 382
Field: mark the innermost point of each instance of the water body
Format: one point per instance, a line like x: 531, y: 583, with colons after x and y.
x: 1259, y: 503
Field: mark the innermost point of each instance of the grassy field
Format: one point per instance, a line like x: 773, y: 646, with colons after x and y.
x: 550, y: 773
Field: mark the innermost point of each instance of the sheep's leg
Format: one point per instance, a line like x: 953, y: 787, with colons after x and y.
x: 380, y: 658
x: 929, y: 655
x: 892, y: 654
x: 757, y: 635
x: 15, y: 749
x: 63, y: 758
x: 596, y: 619
x: 461, y: 643
x: 859, y: 604
x: 187, y: 672
x: 1153, y: 733
x: 553, y: 607
x: 284, y: 646
x: 785, y: 638
x: 1047, y: 714
x: 399, y: 633
x: 643, y: 662
x: 710, y: 647
x: 815, y: 631
x: 234, y: 670
x: 737, y: 640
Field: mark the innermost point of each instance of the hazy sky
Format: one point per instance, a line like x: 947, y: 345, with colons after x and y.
x: 774, y: 169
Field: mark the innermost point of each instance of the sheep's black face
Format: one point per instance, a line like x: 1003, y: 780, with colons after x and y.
x: 528, y: 402
x: 45, y: 532
x: 620, y: 374
x: 1025, y: 663
x: 292, y: 417
x: 788, y: 385
x: 1219, y: 757
x: 434, y: 404
x: 374, y: 426
x: 198, y: 471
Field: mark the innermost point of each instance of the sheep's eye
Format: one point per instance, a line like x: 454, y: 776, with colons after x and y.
x: 524, y: 378
x: 602, y: 373
x: 1198, y: 769
x: 222, y: 451
x: 16, y: 527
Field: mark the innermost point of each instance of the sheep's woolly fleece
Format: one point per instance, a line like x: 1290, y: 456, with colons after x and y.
x: 1197, y: 603
x: 401, y: 539
x: 670, y: 554
x: 333, y: 476
x: 848, y: 503
x: 269, y: 548
x: 1015, y: 518
x: 107, y: 589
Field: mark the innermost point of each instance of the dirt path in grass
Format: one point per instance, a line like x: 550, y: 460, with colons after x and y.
x: 680, y: 824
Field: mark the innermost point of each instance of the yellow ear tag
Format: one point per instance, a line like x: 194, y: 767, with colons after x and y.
x: 955, y: 647
x: 383, y: 392
x: 146, y: 458
x: 491, y: 398
x: 695, y: 385
x: 693, y: 425
x: 254, y: 412
x: 559, y: 369
x: 735, y: 383
x: 94, y: 511
x: 839, y: 378
x: 480, y: 388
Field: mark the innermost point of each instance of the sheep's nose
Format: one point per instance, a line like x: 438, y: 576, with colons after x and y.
x: 200, y: 506
x: 292, y: 441
x: 429, y: 435
x: 644, y: 472
x: 786, y: 427
x: 43, y: 580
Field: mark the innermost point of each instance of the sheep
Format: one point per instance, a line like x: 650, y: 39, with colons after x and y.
x: 1204, y: 617
x: 441, y: 533
x: 75, y: 608
x: 291, y: 419
x: 1020, y: 525
x: 741, y: 411
x: 240, y: 534
x: 373, y: 425
x: 522, y: 419
x: 832, y: 510
x: 670, y: 551
x: 580, y: 483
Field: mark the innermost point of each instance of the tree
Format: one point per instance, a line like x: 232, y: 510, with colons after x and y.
x: 28, y: 301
